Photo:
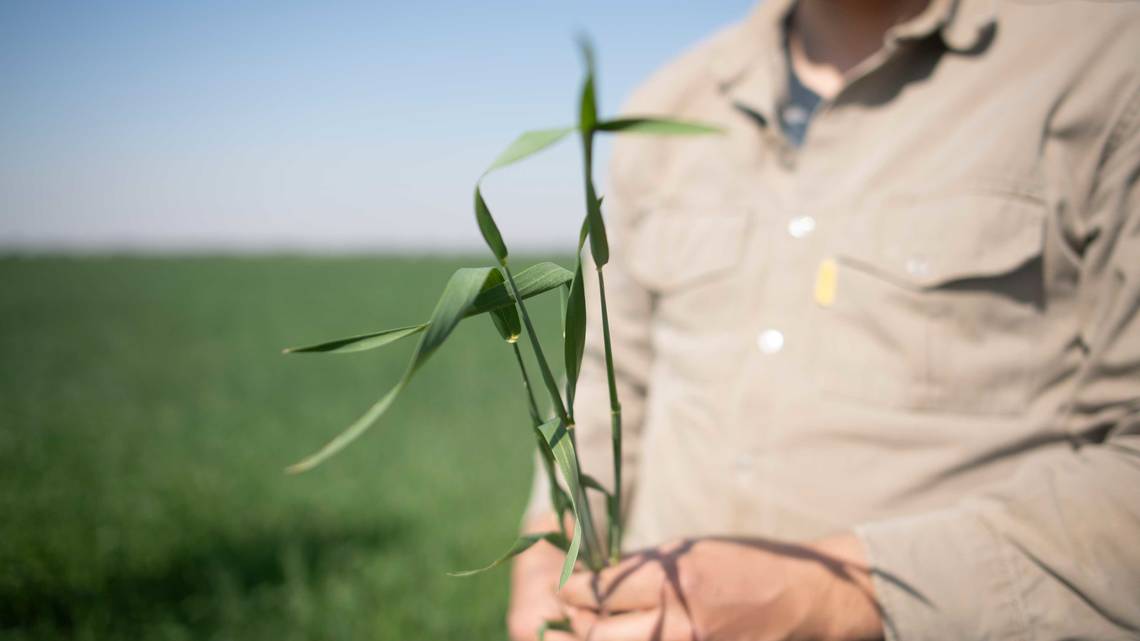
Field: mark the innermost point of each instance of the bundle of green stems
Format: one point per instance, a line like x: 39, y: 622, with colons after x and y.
x: 501, y: 293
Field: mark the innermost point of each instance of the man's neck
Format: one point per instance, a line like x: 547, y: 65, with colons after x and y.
x: 828, y: 38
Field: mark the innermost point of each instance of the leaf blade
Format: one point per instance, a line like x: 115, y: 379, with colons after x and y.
x: 350, y: 434
x: 658, y: 126
x: 571, y: 554
x: 359, y: 343
x: 527, y: 144
x: 558, y: 498
x: 594, y: 484
x: 557, y: 436
x: 458, y: 296
x: 521, y: 544
x: 506, y: 318
x: 599, y: 242
x: 588, y: 100
x: 507, y: 322
x: 574, y: 335
x: 489, y: 228
x: 533, y: 280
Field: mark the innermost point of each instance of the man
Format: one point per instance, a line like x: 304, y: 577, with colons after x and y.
x: 878, y: 345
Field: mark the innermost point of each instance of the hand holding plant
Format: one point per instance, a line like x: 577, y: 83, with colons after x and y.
x: 728, y: 589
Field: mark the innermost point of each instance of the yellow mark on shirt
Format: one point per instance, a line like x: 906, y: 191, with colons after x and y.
x: 825, y: 281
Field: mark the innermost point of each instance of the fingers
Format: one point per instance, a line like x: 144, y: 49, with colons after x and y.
x: 581, y: 621
x: 664, y: 624
x: 634, y: 584
x: 524, y: 625
x: 534, y: 578
x: 640, y: 625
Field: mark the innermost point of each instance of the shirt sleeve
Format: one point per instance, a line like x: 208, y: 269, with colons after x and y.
x: 1054, y: 551
x: 629, y: 307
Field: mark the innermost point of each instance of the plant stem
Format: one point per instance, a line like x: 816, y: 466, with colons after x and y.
x: 615, y: 427
x: 615, y: 406
x: 543, y: 366
x: 536, y: 418
x: 584, y: 514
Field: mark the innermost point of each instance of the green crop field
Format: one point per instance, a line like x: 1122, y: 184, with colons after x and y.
x: 146, y: 414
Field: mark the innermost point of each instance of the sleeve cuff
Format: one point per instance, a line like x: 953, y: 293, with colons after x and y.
x: 943, y: 575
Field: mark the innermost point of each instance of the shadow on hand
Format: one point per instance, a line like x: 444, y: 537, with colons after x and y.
x: 669, y: 561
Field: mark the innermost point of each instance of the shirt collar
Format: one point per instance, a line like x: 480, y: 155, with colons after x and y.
x: 962, y: 25
x: 750, y: 65
x: 754, y: 41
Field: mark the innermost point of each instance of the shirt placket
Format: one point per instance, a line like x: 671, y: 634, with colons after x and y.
x: 802, y: 192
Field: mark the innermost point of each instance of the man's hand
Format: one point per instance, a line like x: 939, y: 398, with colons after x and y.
x: 534, y: 581
x: 720, y: 589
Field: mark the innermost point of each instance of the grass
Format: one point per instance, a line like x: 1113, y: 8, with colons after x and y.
x: 146, y: 415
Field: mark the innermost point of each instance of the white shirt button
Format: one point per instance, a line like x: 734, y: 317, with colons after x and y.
x: 796, y: 115
x: 743, y: 468
x: 916, y: 266
x: 801, y: 226
x: 770, y: 341
x: 743, y: 463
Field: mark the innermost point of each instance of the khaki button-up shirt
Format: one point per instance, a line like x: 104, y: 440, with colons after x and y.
x: 921, y: 325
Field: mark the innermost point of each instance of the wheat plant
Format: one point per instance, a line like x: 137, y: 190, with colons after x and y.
x: 501, y: 293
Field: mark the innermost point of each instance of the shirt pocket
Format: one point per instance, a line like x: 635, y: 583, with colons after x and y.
x: 690, y: 258
x: 936, y: 305
x: 674, y: 248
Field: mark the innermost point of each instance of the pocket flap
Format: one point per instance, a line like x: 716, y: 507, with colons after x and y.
x: 959, y: 237
x: 676, y: 247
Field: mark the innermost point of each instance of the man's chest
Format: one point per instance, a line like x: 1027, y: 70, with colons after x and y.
x: 909, y: 255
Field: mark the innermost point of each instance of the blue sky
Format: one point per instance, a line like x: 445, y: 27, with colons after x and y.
x: 324, y: 126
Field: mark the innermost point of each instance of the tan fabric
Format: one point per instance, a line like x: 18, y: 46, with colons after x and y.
x: 965, y: 391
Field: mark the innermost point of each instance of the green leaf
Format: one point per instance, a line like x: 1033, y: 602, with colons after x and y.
x: 558, y: 498
x: 599, y: 244
x: 459, y: 296
x: 586, y: 50
x: 506, y: 319
x: 531, y: 281
x: 528, y: 144
x: 556, y: 435
x: 574, y: 335
x: 565, y: 294
x: 593, y: 484
x: 454, y: 304
x: 522, y: 544
x: 571, y: 554
x: 588, y: 110
x: 360, y: 343
x: 588, y: 103
x: 657, y: 126
x: 350, y: 434
x: 587, y: 122
x: 489, y: 229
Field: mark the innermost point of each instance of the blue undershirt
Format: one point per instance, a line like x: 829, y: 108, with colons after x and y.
x: 796, y: 113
